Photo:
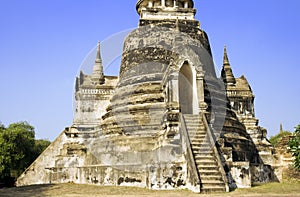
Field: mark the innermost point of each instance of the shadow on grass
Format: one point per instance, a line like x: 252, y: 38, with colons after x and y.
x: 33, y: 190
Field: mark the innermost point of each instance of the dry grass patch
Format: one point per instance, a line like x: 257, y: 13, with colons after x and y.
x: 74, y: 190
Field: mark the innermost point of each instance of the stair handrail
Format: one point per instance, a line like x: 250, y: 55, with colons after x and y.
x: 216, y: 151
x: 189, y: 150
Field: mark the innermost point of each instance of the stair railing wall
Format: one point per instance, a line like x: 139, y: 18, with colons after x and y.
x: 216, y: 151
x: 194, y: 172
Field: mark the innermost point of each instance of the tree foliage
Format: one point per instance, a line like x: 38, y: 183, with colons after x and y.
x: 294, y: 145
x: 40, y: 146
x: 18, y: 149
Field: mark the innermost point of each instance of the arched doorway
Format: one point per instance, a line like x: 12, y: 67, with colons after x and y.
x: 186, y: 89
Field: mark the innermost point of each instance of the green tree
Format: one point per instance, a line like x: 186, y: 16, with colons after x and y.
x: 294, y: 145
x: 40, y: 146
x: 18, y: 149
x: 2, y: 127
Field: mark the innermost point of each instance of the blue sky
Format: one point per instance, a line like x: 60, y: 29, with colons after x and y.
x: 42, y: 44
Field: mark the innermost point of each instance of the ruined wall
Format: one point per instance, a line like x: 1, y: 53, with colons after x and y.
x: 37, y: 172
x: 239, y: 175
x: 90, y: 158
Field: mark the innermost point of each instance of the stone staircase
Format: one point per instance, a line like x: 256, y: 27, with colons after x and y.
x: 204, y: 156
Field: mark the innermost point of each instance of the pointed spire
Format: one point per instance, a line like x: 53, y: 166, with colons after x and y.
x: 177, y: 24
x: 98, y: 76
x: 226, y: 61
x: 227, y: 74
x: 98, y: 56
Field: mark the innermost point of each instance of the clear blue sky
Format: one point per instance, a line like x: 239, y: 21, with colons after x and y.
x: 42, y: 44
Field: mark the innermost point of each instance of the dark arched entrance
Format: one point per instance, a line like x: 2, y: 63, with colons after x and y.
x: 186, y: 89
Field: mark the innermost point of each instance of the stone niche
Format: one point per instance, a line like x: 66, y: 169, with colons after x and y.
x: 240, y: 174
x: 262, y: 173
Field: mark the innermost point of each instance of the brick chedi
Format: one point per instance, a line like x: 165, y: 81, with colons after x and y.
x: 166, y: 122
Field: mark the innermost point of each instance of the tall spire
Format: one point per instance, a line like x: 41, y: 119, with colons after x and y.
x: 225, y: 61
x: 98, y: 76
x: 177, y: 24
x: 227, y: 74
x: 98, y: 56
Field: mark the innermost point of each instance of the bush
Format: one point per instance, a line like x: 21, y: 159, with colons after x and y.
x: 294, y: 145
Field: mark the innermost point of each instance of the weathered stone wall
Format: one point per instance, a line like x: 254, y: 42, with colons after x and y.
x: 92, y: 99
x: 111, y: 160
x: 262, y: 173
x: 240, y: 174
x: 38, y: 173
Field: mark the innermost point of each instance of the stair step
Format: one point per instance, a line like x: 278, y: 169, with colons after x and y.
x: 204, y: 151
x: 208, y: 172
x: 199, y: 142
x: 207, y: 163
x: 194, y: 123
x: 191, y: 116
x: 204, y: 148
x: 200, y: 155
x: 207, y: 167
x: 192, y: 120
x: 201, y: 146
x: 211, y: 178
x: 204, y: 157
x: 199, y: 135
x: 213, y: 189
x: 198, y: 138
x: 196, y: 132
x: 202, y: 140
x: 213, y: 182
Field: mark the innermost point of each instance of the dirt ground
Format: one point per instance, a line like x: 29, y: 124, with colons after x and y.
x: 74, y: 190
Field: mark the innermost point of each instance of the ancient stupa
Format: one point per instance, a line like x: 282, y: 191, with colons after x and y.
x: 166, y: 122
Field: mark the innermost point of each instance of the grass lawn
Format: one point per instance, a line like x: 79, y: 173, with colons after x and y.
x: 291, y: 188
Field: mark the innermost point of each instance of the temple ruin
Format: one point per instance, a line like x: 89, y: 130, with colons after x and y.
x: 167, y: 121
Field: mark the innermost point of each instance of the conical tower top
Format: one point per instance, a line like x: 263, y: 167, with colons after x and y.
x: 98, y: 76
x: 227, y: 74
x: 225, y: 61
x: 98, y: 56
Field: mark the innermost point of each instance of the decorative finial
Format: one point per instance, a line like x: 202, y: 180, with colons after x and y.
x: 227, y: 73
x: 98, y: 56
x: 226, y: 60
x: 98, y: 75
x: 177, y: 24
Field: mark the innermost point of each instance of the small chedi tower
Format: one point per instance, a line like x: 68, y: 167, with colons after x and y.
x: 166, y: 122
x: 92, y: 94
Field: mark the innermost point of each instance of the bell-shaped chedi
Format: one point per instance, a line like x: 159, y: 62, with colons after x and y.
x: 166, y: 122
